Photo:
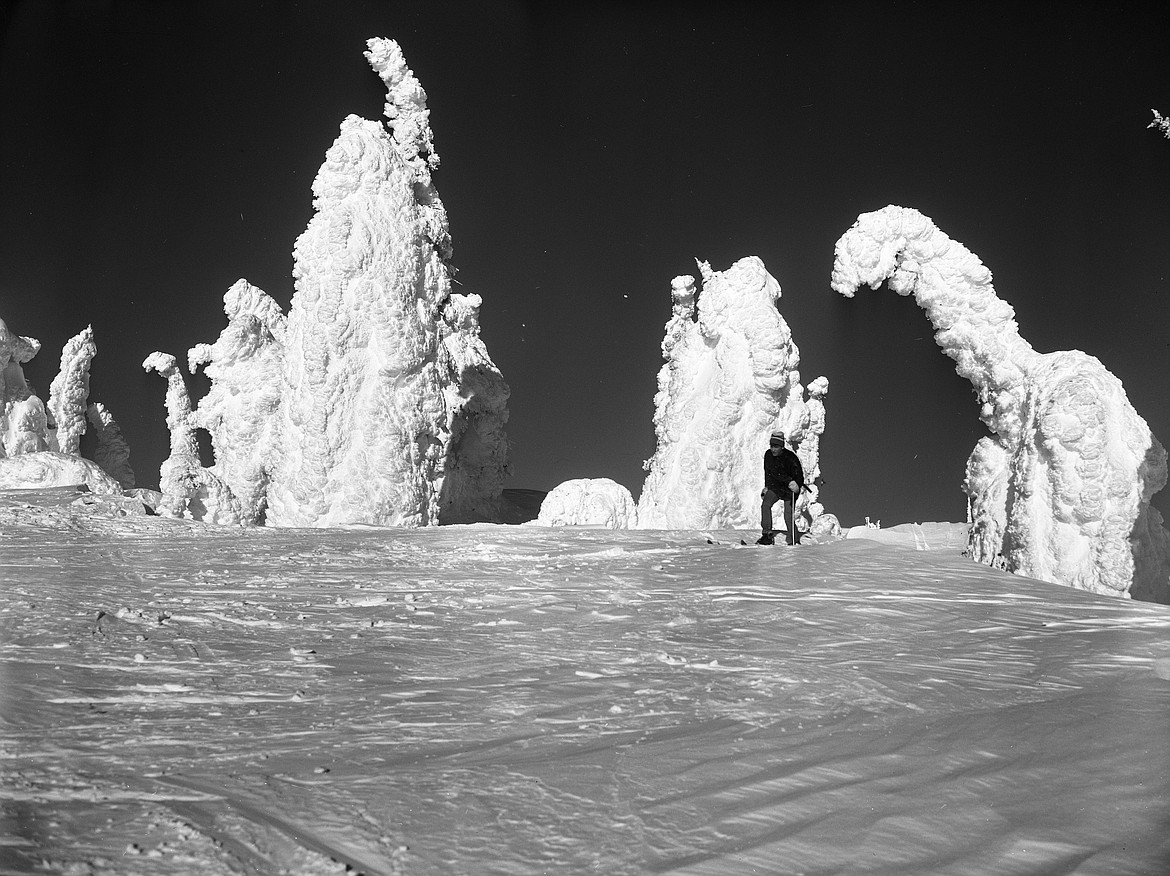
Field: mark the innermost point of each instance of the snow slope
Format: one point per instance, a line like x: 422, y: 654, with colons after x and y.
x: 179, y: 698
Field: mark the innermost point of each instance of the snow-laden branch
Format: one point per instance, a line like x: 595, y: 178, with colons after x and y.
x: 1161, y: 123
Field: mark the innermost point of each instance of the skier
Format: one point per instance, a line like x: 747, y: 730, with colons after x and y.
x: 783, y: 479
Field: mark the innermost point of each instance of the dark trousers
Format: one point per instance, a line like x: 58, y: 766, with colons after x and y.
x: 769, y: 499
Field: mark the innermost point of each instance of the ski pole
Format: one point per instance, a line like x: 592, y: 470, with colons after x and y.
x: 792, y: 522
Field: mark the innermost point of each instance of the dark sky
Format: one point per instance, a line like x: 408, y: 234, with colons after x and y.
x: 154, y: 151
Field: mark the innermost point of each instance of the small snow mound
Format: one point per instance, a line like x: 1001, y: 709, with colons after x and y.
x: 826, y: 527
x: 34, y: 471
x: 589, y: 502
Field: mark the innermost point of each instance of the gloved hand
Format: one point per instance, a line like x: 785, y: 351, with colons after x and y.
x: 793, y: 488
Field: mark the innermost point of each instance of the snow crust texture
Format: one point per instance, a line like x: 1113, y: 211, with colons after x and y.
x: 729, y: 380
x: 1061, y: 490
x: 519, y: 700
x: 40, y: 445
x: 374, y: 401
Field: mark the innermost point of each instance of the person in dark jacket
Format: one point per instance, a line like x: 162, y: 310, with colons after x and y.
x: 783, y: 479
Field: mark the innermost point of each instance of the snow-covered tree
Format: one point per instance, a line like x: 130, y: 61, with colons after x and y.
x: 69, y: 393
x: 730, y: 379
x: 189, y: 490
x: 393, y: 411
x: 1061, y: 490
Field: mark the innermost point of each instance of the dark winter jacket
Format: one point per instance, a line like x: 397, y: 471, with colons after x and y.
x: 780, y: 469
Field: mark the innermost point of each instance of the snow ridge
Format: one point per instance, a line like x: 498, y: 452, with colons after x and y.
x: 1061, y: 491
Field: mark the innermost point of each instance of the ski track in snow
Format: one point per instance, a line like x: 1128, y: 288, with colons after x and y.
x: 485, y: 699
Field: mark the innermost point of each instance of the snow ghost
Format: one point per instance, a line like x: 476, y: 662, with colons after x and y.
x: 189, y: 490
x: 1061, y: 491
x: 729, y: 380
x: 112, y: 453
x: 39, y: 443
x: 393, y: 411
x: 589, y: 502
x: 375, y: 401
x: 246, y: 368
x: 69, y: 392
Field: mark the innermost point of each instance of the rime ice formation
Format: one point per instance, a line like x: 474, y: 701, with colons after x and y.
x: 393, y: 411
x: 477, y: 411
x: 1061, y: 491
x: 189, y: 490
x: 22, y: 414
x: 246, y: 368
x: 589, y: 502
x: 112, y: 453
x: 39, y: 446
x: 375, y: 401
x: 69, y: 393
x: 729, y: 380
x: 1161, y: 123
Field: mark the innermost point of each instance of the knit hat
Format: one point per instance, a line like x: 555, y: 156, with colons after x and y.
x: 777, y: 437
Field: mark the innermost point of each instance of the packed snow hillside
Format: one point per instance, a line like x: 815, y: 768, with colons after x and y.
x: 179, y: 697
x: 1061, y: 490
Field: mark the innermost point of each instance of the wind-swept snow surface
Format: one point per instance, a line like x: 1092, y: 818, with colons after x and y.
x: 180, y: 698
x: 729, y: 380
x: 1062, y: 490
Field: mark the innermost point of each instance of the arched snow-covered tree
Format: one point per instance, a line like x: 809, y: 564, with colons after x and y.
x: 1061, y: 490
